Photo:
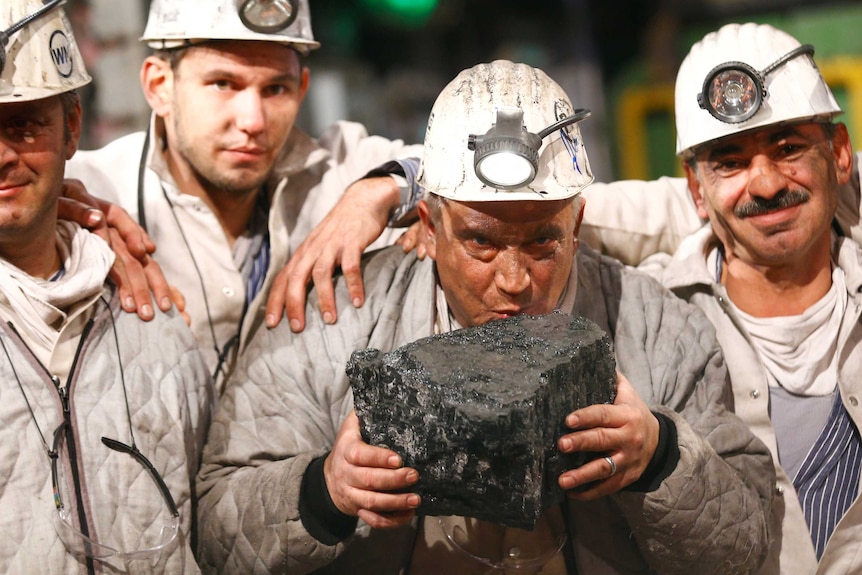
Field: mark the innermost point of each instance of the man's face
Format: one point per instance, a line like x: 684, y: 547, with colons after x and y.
x: 771, y: 194
x: 35, y: 143
x: 229, y: 109
x: 500, y: 259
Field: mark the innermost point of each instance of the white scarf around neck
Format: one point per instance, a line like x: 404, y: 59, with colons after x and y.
x: 42, y: 305
x: 799, y: 352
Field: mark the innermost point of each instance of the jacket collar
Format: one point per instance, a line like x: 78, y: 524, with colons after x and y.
x: 300, y: 153
x: 693, y: 265
x: 689, y: 265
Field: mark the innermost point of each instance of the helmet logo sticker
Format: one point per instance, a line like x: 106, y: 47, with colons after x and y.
x: 61, y: 53
x: 562, y: 110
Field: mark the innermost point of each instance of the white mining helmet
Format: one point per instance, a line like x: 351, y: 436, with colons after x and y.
x: 38, y: 54
x: 502, y: 132
x: 175, y: 23
x: 747, y: 76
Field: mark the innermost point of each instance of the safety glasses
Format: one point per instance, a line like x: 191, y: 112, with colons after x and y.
x: 152, y: 540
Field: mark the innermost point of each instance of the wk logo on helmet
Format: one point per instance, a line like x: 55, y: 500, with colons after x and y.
x: 61, y: 53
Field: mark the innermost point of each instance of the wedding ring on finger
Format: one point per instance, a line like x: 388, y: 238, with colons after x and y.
x: 613, y: 465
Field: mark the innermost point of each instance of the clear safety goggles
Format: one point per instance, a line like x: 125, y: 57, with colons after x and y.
x: 47, y: 6
x: 267, y: 16
x: 157, y: 535
x: 506, y: 157
x: 473, y: 541
x: 734, y: 91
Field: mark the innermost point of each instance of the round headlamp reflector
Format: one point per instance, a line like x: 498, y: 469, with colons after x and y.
x: 267, y: 16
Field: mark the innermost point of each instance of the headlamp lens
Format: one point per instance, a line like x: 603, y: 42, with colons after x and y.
x: 505, y: 170
x: 268, y: 16
x: 506, y: 157
x: 734, y: 95
x: 734, y: 92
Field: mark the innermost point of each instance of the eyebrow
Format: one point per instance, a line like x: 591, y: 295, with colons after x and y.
x: 487, y: 229
x: 774, y: 138
x: 231, y: 75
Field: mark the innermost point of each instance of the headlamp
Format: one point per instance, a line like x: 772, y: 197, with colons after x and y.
x: 506, y: 157
x: 734, y: 91
x: 48, y: 5
x: 267, y: 16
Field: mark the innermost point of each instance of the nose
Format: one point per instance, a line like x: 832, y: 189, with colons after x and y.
x: 8, y: 155
x: 766, y: 179
x: 250, y: 115
x: 512, y: 276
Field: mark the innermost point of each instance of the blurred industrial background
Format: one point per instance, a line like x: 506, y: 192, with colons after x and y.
x: 382, y: 62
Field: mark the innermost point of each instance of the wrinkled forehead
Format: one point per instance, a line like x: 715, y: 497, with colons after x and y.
x: 513, y: 217
x: 27, y: 108
x: 246, y: 52
x: 762, y: 137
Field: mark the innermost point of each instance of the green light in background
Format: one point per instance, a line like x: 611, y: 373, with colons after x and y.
x: 408, y: 12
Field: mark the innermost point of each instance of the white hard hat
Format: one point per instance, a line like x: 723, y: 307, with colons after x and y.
x: 39, y: 55
x: 510, y: 108
x: 175, y: 23
x: 747, y: 76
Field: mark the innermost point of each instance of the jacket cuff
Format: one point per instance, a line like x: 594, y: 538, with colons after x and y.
x: 663, y: 461
x: 405, y: 172
x: 319, y: 515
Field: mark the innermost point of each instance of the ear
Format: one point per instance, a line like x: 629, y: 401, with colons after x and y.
x: 843, y: 150
x: 157, y: 83
x: 429, y: 229
x: 73, y: 129
x: 304, y: 79
x: 694, y: 189
x: 579, y: 217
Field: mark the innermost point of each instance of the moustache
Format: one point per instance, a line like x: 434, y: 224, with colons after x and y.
x: 760, y: 206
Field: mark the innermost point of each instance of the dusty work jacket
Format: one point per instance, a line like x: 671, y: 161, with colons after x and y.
x: 291, y: 395
x: 192, y: 249
x: 688, y: 275
x: 110, y: 495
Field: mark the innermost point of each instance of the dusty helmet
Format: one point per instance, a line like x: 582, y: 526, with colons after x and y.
x: 39, y: 55
x: 747, y: 76
x: 174, y: 23
x: 510, y: 107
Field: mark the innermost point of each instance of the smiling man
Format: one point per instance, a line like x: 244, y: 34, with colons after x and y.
x: 778, y: 282
x: 103, y: 416
x: 677, y: 484
x: 774, y: 178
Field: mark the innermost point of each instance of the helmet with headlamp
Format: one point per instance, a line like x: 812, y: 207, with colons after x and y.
x: 38, y: 54
x: 504, y: 131
x: 747, y: 76
x: 175, y: 23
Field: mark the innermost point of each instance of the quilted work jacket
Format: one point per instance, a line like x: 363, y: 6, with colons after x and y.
x: 110, y: 495
x: 291, y: 395
x: 308, y: 181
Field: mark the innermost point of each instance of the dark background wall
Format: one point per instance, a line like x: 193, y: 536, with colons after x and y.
x: 382, y: 62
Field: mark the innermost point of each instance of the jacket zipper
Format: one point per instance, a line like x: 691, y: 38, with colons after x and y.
x: 70, y: 438
x: 63, y: 392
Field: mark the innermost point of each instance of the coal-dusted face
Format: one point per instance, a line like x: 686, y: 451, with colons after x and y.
x: 500, y: 259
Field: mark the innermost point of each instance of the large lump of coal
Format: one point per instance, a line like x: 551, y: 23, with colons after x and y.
x: 478, y: 411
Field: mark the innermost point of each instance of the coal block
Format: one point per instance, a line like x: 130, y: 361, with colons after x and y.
x: 478, y: 411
